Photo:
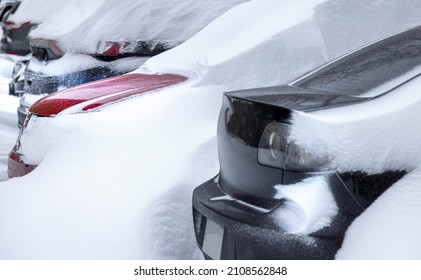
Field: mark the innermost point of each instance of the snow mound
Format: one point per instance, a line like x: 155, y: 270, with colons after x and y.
x: 309, y: 207
x: 172, y: 22
x: 390, y: 227
x: 382, y: 136
x: 290, y: 40
x: 37, y: 11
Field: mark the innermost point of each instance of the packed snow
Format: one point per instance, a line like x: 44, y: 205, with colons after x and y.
x: 143, y: 20
x: 71, y: 63
x: 385, y: 129
x: 43, y: 9
x: 117, y: 183
x: 309, y: 207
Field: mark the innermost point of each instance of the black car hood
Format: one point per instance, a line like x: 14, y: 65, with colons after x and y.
x: 295, y: 98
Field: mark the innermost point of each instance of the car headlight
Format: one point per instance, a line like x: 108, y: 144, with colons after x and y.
x: 276, y: 150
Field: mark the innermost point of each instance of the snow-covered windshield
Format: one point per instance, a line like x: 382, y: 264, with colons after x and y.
x: 379, y: 66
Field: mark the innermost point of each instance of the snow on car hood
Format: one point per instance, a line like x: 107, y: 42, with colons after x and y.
x: 278, y: 47
x: 51, y: 8
x: 171, y: 22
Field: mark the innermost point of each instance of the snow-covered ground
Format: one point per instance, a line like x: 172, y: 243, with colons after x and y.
x: 116, y: 184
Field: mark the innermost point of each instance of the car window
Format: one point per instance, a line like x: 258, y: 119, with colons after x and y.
x: 380, y: 64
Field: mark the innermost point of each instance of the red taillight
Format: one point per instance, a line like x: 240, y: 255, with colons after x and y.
x: 113, y: 48
x: 14, y: 25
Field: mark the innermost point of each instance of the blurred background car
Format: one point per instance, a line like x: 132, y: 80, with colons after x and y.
x: 84, y: 98
x: 274, y: 197
x: 110, y: 38
x: 5, y: 7
x: 15, y: 33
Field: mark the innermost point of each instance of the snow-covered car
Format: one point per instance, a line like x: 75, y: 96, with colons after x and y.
x: 15, y: 33
x: 111, y: 38
x: 85, y: 98
x: 286, y: 189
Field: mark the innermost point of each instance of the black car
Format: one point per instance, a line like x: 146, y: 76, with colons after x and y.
x: 237, y: 214
x: 15, y: 34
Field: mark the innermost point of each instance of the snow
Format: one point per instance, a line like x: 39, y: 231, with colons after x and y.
x: 108, y: 202
x: 143, y: 20
x: 117, y: 184
x: 8, y: 105
x: 384, y: 131
x: 215, y: 54
x: 309, y: 207
x: 43, y: 8
x: 71, y: 63
x: 388, y: 229
x: 6, y: 69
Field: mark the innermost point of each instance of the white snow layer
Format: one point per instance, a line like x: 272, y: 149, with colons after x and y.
x: 71, y: 62
x: 146, y: 20
x: 382, y: 136
x: 8, y: 105
x: 102, y: 188
x: 389, y: 228
x: 36, y: 11
x: 8, y: 129
x: 309, y: 207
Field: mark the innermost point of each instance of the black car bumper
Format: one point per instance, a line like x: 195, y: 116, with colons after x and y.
x: 232, y: 229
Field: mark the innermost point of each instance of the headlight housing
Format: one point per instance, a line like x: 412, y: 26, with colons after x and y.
x: 276, y: 150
